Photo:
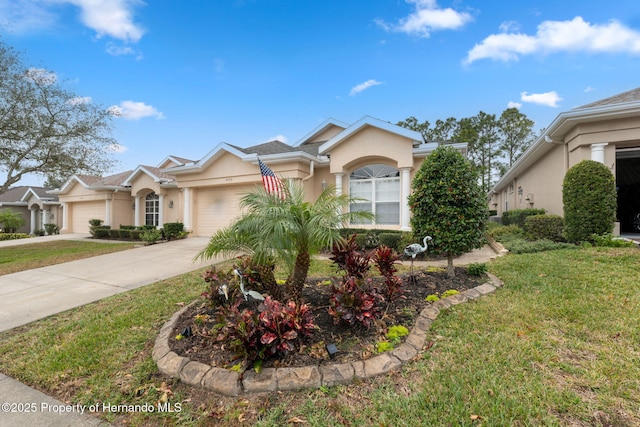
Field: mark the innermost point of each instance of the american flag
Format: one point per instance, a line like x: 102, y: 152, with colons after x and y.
x: 271, y: 182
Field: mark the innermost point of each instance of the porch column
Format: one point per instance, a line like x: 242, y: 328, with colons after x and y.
x: 187, y: 209
x: 136, y: 213
x: 34, y: 219
x: 405, y: 213
x: 597, y: 152
x: 161, y: 210
x: 65, y: 217
x: 339, y: 183
x: 107, y: 212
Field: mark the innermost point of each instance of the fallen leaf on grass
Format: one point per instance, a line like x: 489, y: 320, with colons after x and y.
x: 296, y: 420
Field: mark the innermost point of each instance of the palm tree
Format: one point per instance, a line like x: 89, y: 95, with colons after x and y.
x: 285, y: 229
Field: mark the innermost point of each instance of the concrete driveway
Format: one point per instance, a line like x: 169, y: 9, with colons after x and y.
x: 34, y: 294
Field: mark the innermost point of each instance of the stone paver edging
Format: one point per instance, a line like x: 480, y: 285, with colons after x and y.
x: 233, y: 383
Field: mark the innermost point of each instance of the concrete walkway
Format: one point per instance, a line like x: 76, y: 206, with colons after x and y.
x: 38, y: 293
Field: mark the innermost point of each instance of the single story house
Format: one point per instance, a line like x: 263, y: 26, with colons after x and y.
x: 371, y: 159
x: 36, y: 206
x: 607, y: 131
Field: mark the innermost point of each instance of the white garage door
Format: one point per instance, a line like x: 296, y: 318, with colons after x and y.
x: 82, y: 212
x: 217, y: 208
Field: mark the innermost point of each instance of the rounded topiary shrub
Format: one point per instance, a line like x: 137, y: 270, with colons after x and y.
x: 589, y: 198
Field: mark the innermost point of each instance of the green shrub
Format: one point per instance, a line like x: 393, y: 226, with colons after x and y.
x: 524, y: 247
x: 38, y: 232
x: 518, y: 216
x: 361, y: 240
x: 101, y: 232
x: 505, y: 232
x: 173, y: 230
x: 52, y: 229
x: 477, y: 268
x: 589, y: 198
x: 93, y: 225
x: 549, y: 227
x: 127, y: 227
x: 151, y: 235
x: 114, y: 234
x: 136, y: 234
x: 13, y: 236
x: 125, y: 233
x: 610, y: 241
x: 390, y: 239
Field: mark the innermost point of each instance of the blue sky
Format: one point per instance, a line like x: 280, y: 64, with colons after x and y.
x: 187, y: 75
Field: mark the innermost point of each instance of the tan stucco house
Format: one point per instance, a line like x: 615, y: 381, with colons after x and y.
x: 371, y: 159
x: 35, y: 205
x: 607, y: 131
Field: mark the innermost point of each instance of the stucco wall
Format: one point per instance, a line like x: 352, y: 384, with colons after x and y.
x: 369, y: 145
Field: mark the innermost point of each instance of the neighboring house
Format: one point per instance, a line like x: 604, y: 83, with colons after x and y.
x: 36, y: 206
x: 607, y: 131
x: 371, y: 159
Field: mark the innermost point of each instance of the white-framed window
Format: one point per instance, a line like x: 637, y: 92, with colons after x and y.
x: 379, y: 187
x: 151, y: 209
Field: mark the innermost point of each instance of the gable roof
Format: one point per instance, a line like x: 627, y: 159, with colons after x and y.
x: 626, y: 104
x: 330, y: 122
x: 110, y: 182
x: 621, y: 98
x: 157, y: 174
x: 20, y: 195
x: 415, y: 137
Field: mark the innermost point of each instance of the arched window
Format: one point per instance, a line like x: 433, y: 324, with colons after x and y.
x: 379, y: 186
x: 152, y: 209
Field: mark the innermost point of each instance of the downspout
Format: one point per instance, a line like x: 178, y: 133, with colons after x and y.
x: 311, y: 171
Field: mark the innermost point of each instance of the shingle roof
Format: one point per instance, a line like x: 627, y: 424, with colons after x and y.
x: 621, y: 98
x: 279, y: 147
x: 16, y: 194
x: 158, y: 172
x: 13, y: 194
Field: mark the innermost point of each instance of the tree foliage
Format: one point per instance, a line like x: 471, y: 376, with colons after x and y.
x: 448, y: 204
x: 589, y: 198
x: 46, y: 129
x: 10, y: 220
x: 494, y: 144
x: 288, y: 229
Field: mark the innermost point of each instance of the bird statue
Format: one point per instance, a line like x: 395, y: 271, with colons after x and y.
x: 253, y: 294
x: 414, y: 249
x: 223, y: 290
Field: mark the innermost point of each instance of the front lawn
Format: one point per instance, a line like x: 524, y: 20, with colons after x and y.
x: 559, y: 344
x: 35, y: 255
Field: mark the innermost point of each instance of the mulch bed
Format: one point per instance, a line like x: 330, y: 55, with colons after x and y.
x: 353, y: 342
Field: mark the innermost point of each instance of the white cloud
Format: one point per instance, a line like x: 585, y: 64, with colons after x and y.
x: 550, y: 99
x: 426, y: 18
x: 131, y: 110
x: 363, y: 86
x: 589, y: 89
x: 113, y: 18
x: 576, y: 35
x: 513, y: 104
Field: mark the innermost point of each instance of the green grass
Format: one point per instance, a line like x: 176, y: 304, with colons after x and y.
x: 558, y: 345
x: 35, y: 255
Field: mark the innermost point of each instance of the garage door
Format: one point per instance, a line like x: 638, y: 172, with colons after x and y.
x: 216, y: 208
x: 81, y: 212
